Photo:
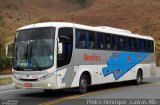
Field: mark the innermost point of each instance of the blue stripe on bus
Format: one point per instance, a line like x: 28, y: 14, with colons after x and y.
x: 122, y: 62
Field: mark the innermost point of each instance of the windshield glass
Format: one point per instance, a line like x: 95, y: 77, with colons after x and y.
x: 34, y: 49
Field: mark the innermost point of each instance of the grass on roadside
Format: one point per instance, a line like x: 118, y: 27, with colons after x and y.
x: 4, y: 81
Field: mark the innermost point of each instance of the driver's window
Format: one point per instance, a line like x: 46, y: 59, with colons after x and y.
x: 65, y: 36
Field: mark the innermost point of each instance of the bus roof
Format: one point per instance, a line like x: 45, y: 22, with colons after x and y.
x: 105, y: 29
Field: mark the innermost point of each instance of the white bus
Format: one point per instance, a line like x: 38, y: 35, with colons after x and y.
x: 57, y: 55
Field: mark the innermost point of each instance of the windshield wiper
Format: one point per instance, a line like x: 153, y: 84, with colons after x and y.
x: 31, y: 54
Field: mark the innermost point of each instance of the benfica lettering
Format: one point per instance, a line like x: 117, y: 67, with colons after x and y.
x: 92, y: 57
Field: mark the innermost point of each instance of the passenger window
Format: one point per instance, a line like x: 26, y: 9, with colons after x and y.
x: 145, y: 45
x: 100, y: 40
x: 85, y: 39
x: 80, y: 39
x: 131, y: 44
x: 148, y: 46
x: 114, y: 42
x: 91, y: 42
x: 140, y: 45
x: 121, y: 41
x: 107, y: 41
x: 152, y: 46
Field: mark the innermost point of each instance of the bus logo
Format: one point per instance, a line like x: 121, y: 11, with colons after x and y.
x: 92, y: 57
x: 28, y: 75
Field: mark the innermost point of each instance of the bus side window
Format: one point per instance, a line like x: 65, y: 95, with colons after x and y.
x: 140, y: 45
x: 145, y: 45
x: 85, y: 39
x: 127, y: 47
x: 131, y: 44
x: 80, y: 39
x: 121, y: 41
x: 100, y: 40
x: 90, y: 40
x: 134, y: 44
x: 108, y: 41
x: 152, y: 46
x: 114, y: 42
x: 148, y: 46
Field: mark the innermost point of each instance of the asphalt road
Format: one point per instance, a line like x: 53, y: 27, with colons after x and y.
x: 150, y: 89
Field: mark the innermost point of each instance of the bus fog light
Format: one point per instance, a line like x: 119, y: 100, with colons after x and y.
x: 15, y: 77
x: 49, y: 85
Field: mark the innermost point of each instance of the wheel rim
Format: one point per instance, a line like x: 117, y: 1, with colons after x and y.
x: 83, y: 84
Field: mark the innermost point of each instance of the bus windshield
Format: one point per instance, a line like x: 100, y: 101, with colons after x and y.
x: 33, y: 49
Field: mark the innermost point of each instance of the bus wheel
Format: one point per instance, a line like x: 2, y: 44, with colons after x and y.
x: 138, y: 80
x: 83, y: 84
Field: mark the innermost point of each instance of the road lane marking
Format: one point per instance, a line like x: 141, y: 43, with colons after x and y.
x: 9, y: 90
x: 54, y: 101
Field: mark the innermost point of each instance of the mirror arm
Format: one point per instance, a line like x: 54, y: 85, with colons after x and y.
x: 6, y: 48
x: 58, y: 40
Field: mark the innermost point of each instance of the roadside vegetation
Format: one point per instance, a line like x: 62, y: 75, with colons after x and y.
x: 82, y: 3
x: 158, y: 52
x: 4, y: 81
x: 5, y: 63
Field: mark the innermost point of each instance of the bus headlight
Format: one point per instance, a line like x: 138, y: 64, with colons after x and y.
x: 15, y: 77
x: 45, y: 76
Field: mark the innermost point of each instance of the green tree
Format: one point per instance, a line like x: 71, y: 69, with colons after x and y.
x: 82, y: 3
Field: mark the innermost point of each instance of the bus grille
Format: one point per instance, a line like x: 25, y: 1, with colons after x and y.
x: 29, y: 79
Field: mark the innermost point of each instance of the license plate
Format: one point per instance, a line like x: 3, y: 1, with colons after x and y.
x: 27, y: 84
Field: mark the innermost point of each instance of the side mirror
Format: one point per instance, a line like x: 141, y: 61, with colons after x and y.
x: 9, y: 49
x: 60, y: 48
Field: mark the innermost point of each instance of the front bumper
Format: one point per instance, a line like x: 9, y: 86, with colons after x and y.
x: 49, y: 83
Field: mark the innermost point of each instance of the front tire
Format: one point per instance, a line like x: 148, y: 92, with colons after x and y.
x: 83, y: 84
